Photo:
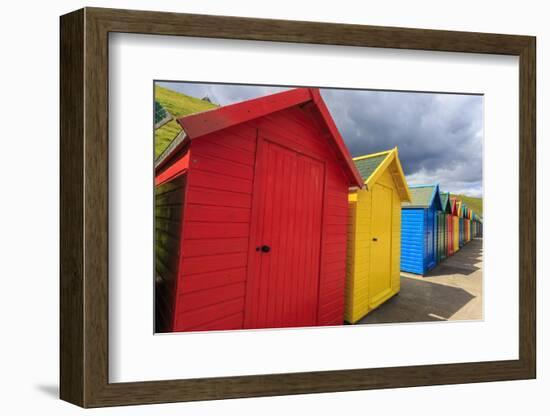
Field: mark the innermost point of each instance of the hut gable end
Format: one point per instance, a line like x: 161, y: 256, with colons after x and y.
x: 374, y: 234
x: 249, y: 175
x: 419, y: 236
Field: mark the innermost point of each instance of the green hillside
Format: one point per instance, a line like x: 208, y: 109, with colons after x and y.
x: 473, y: 203
x: 178, y: 105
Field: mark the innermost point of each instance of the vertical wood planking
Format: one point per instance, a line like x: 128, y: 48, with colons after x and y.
x: 333, y: 270
x: 290, y: 223
x: 169, y: 203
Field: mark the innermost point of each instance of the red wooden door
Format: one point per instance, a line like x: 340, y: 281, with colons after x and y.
x: 283, y: 278
x: 450, y: 233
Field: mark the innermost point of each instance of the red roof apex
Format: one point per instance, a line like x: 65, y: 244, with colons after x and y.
x: 197, y: 125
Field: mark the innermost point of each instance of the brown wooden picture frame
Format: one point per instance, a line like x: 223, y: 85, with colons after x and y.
x: 84, y: 207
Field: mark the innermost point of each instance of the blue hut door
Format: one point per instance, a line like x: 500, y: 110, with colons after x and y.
x: 430, y: 252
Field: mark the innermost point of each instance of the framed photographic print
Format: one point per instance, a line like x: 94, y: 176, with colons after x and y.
x: 255, y: 207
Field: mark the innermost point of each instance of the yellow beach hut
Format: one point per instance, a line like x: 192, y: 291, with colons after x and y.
x: 374, y: 234
x: 456, y: 230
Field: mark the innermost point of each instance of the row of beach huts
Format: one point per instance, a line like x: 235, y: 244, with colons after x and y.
x: 263, y: 220
x: 418, y: 229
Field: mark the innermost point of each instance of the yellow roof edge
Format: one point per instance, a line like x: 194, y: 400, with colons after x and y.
x: 392, y: 156
x: 403, y: 178
x: 380, y: 168
x: 374, y: 154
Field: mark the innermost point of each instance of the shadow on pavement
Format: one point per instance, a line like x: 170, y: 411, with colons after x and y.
x: 420, y: 301
x: 463, y: 262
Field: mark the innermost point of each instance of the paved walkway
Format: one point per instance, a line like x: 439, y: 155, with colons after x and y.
x: 450, y: 291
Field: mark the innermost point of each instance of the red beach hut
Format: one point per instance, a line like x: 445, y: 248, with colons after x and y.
x: 251, y: 217
x: 450, y: 227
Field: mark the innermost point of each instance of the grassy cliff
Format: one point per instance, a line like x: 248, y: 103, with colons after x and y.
x: 473, y: 203
x: 178, y: 105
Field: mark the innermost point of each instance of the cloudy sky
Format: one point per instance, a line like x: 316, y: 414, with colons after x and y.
x: 439, y: 136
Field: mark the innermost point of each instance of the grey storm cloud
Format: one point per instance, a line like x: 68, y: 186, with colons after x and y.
x: 439, y: 136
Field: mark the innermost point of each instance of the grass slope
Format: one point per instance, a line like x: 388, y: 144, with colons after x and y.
x: 473, y: 203
x: 178, y: 105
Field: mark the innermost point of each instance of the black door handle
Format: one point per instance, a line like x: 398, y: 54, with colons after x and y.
x: 264, y: 249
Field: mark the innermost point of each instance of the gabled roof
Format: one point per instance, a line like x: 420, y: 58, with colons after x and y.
x: 367, y: 165
x: 372, y: 166
x: 423, y: 196
x: 201, y: 124
x: 459, y: 211
x: 446, y: 202
x: 453, y: 205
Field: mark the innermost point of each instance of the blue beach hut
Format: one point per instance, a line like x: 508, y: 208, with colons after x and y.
x: 460, y: 210
x: 418, y: 229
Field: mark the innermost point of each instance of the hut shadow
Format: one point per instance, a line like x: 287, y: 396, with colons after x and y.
x: 420, y: 301
x: 448, y: 269
x: 464, y: 262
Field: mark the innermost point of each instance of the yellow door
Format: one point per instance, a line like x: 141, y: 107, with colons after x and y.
x: 456, y: 231
x: 380, y: 264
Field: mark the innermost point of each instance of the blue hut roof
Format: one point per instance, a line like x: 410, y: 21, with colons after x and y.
x: 423, y: 196
x: 446, y: 202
